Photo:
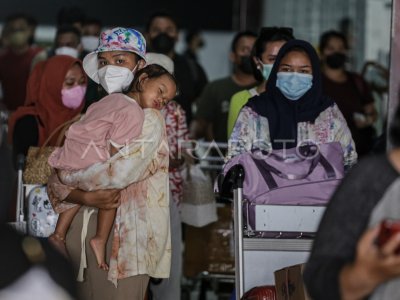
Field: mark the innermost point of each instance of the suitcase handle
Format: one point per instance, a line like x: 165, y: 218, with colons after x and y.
x: 233, y: 179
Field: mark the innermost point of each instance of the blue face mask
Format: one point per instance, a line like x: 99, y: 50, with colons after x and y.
x: 293, y: 85
x: 266, y: 70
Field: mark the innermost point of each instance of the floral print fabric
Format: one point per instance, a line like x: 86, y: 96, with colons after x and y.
x: 177, y: 133
x: 252, y: 131
x: 142, y: 243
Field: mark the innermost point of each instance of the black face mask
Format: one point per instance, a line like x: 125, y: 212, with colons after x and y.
x: 162, y: 43
x: 245, y: 64
x: 336, y: 60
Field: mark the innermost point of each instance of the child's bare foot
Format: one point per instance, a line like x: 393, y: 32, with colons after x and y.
x: 59, y: 243
x: 99, y: 249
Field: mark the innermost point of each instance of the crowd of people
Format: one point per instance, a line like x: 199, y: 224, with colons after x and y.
x: 118, y: 198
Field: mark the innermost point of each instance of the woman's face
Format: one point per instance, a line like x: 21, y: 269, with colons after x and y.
x: 296, y: 61
x: 334, y: 45
x: 117, y: 58
x: 74, y: 77
x: 271, y: 51
x: 156, y: 92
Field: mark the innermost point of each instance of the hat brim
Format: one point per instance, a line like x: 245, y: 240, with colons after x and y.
x: 90, y: 63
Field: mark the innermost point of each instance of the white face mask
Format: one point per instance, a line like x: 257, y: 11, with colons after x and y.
x: 67, y: 51
x: 115, y: 79
x: 89, y: 42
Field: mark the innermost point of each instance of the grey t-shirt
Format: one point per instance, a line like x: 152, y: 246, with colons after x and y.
x: 387, y: 208
x: 345, y: 220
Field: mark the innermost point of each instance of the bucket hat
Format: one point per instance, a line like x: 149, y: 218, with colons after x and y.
x: 115, y: 39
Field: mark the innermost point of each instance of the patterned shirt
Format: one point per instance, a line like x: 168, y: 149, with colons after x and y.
x: 252, y: 131
x: 177, y: 133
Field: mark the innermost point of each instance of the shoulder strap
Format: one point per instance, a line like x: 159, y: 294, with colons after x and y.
x: 61, y: 129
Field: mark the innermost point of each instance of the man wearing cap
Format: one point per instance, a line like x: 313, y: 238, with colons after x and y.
x: 140, y: 244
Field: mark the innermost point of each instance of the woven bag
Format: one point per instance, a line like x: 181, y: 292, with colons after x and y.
x: 37, y: 169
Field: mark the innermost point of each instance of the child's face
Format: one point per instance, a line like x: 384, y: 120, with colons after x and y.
x: 156, y: 92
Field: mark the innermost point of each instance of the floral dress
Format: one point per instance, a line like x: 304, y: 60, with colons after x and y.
x: 252, y: 131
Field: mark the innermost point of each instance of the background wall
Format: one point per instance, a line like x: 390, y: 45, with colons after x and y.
x: 365, y: 22
x: 208, y: 14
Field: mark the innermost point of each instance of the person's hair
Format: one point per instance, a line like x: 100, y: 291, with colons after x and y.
x: 70, y: 15
x: 68, y: 28
x: 93, y: 21
x: 239, y: 35
x: 30, y: 20
x: 268, y: 35
x: 191, y: 34
x: 394, y: 132
x: 328, y: 35
x: 17, y: 16
x: 152, y: 71
x: 161, y: 14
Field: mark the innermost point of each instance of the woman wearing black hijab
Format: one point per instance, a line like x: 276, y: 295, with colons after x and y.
x: 292, y: 110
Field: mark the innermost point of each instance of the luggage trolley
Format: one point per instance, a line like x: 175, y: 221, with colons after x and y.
x: 34, y: 214
x: 20, y: 223
x: 209, y: 260
x: 256, y: 257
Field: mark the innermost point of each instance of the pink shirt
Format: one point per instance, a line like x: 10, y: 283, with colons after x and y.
x: 115, y: 119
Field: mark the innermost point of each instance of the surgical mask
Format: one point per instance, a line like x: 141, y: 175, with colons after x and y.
x: 293, y: 85
x: 266, y: 70
x: 336, y: 60
x: 115, y: 79
x: 245, y: 64
x: 89, y: 42
x: 163, y: 43
x: 73, y: 97
x: 19, y: 38
x: 67, y: 51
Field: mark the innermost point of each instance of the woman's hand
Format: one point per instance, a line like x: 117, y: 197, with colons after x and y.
x: 362, y: 120
x: 367, y: 118
x: 372, y: 266
x: 104, y: 199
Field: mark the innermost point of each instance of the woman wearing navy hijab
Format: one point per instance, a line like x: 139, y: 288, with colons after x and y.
x: 292, y: 110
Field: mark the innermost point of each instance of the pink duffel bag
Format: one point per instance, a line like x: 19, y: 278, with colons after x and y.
x: 306, y: 175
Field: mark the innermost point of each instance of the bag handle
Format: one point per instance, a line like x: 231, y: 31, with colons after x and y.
x: 266, y: 169
x: 61, y: 129
x: 269, y: 180
x: 269, y: 168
